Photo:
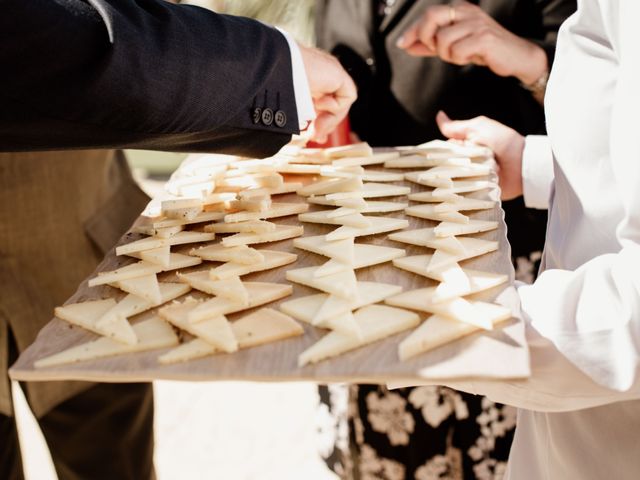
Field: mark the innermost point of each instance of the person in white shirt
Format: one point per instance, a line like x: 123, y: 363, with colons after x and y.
x: 579, y: 414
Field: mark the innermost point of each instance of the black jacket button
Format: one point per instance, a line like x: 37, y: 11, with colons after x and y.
x: 256, y: 115
x: 267, y: 116
x: 280, y: 118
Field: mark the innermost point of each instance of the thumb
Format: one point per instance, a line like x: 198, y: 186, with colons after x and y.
x: 457, y: 129
x: 409, y: 37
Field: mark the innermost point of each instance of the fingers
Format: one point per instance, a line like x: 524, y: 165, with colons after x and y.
x: 456, y: 129
x: 447, y: 37
x: 424, y: 30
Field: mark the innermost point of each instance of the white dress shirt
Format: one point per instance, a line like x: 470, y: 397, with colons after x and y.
x: 579, y: 416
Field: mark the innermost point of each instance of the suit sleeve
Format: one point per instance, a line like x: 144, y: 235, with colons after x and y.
x: 141, y: 74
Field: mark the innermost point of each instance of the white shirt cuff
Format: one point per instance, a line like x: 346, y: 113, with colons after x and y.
x: 537, y: 171
x: 304, y: 102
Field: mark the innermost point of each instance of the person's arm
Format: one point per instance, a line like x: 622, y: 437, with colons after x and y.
x: 147, y: 74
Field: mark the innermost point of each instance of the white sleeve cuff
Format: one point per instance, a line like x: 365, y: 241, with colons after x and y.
x: 537, y: 171
x: 304, y: 102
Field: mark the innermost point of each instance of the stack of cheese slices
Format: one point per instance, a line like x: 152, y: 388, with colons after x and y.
x: 233, y: 193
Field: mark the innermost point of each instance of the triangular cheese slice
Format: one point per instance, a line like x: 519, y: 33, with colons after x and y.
x: 365, y: 256
x: 331, y: 185
x: 158, y: 256
x: 331, y: 267
x: 152, y: 334
x: 420, y: 264
x: 434, y: 332
x: 196, y: 348
x: 378, y: 225
x: 480, y: 314
x: 133, y: 305
x: 146, y: 287
x: 281, y: 232
x: 429, y: 212
x: 202, y: 217
x: 272, y: 259
x: 453, y: 171
x: 424, y: 237
x: 260, y: 293
x: 453, y: 148
x: 215, y: 330
x: 376, y: 322
x: 147, y: 228
x: 250, y: 226
x: 375, y: 159
x: 356, y: 203
x: 463, y: 186
x: 341, y: 250
x: 219, y: 253
x: 149, y: 243
x: 360, y: 149
x: 318, y: 309
x: 178, y: 261
x: 377, y: 190
x: 461, y: 203
x: 264, y: 326
x: 138, y: 269
x: 356, y: 219
x: 277, y: 210
x: 286, y: 187
x: 342, y: 284
x: 339, y: 212
x: 231, y: 287
x: 422, y: 161
x: 87, y: 314
x: 429, y: 197
x: 447, y: 229
x: 375, y: 176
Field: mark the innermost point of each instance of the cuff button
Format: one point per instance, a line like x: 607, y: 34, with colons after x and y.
x: 280, y: 118
x: 267, y: 116
x: 256, y: 114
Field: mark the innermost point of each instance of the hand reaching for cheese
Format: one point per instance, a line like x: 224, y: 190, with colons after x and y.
x: 506, y: 143
x: 332, y: 90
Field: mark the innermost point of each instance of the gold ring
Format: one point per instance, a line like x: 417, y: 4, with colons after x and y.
x: 452, y: 14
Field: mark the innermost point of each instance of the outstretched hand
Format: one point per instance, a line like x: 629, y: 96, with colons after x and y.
x: 332, y: 90
x: 506, y: 143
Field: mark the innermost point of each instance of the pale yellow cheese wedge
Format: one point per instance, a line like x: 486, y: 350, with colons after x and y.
x: 355, y: 203
x: 287, y: 187
x: 378, y: 225
x: 254, y: 204
x: 441, y: 195
x: 231, y: 287
x: 480, y: 314
x: 147, y: 228
x: 361, y: 149
x: 272, y: 259
x: 424, y: 237
x: 264, y: 326
x: 454, y: 148
x: 196, y: 348
x: 340, y: 212
x: 331, y: 185
x: 277, y: 210
x: 179, y: 260
x: 219, y: 253
x: 216, y: 198
x: 460, y: 203
x: 180, y: 238
x: 473, y: 248
x: 197, y: 189
x: 260, y: 293
x: 152, y: 334
x: 447, y: 229
x: 158, y: 256
x: 364, y: 256
x: 87, y: 314
x: 133, y: 270
x: 342, y: 172
x: 377, y: 190
x: 375, y: 176
x: 215, y: 330
x: 376, y: 322
x: 250, y: 226
x: 182, y: 207
x: 421, y: 299
x: 133, y: 305
x: 341, y: 250
x: 428, y: 211
x: 374, y: 159
x: 146, y: 287
x: 202, y: 217
x: 320, y: 308
x: 463, y: 186
x: 281, y: 232
x: 455, y: 171
x: 419, y: 161
x: 343, y: 283
x: 252, y: 180
x: 355, y: 219
x: 360, y: 204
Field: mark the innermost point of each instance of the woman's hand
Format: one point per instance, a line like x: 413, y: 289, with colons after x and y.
x: 462, y: 33
x: 506, y: 143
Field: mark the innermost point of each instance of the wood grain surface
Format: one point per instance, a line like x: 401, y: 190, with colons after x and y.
x: 499, y: 354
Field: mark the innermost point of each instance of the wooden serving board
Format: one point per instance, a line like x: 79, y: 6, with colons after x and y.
x: 500, y: 354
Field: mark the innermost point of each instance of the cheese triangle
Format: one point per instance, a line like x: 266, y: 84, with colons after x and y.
x: 375, y: 176
x: 152, y: 334
x: 158, y: 256
x: 424, y: 237
x: 356, y: 203
x: 430, y: 212
x: 480, y: 314
x: 463, y: 186
x: 264, y: 326
x: 441, y: 196
x: 180, y: 238
x: 320, y: 308
x: 356, y: 219
x: 272, y: 259
x: 281, y: 232
x: 378, y: 225
x: 421, y: 161
x: 231, y: 287
x: 447, y: 229
x: 376, y: 322
x: 215, y: 330
x: 341, y: 250
x: 377, y: 190
x: 364, y: 256
x: 331, y: 185
x: 146, y: 287
x: 260, y: 293
x: 133, y: 305
x: 420, y: 264
x: 133, y: 270
x: 342, y: 284
x: 179, y: 260
x: 277, y: 210
x: 238, y: 254
x: 87, y: 315
x: 196, y: 348
x: 460, y: 203
x: 360, y: 149
x: 249, y: 226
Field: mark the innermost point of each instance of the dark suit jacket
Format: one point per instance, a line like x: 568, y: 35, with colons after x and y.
x: 140, y: 74
x: 399, y: 95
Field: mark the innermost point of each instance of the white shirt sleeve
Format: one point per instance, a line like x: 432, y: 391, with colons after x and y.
x: 304, y: 102
x: 537, y: 171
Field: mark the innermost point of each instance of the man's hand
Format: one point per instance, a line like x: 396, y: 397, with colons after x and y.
x: 332, y: 90
x: 462, y: 33
x: 506, y: 143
